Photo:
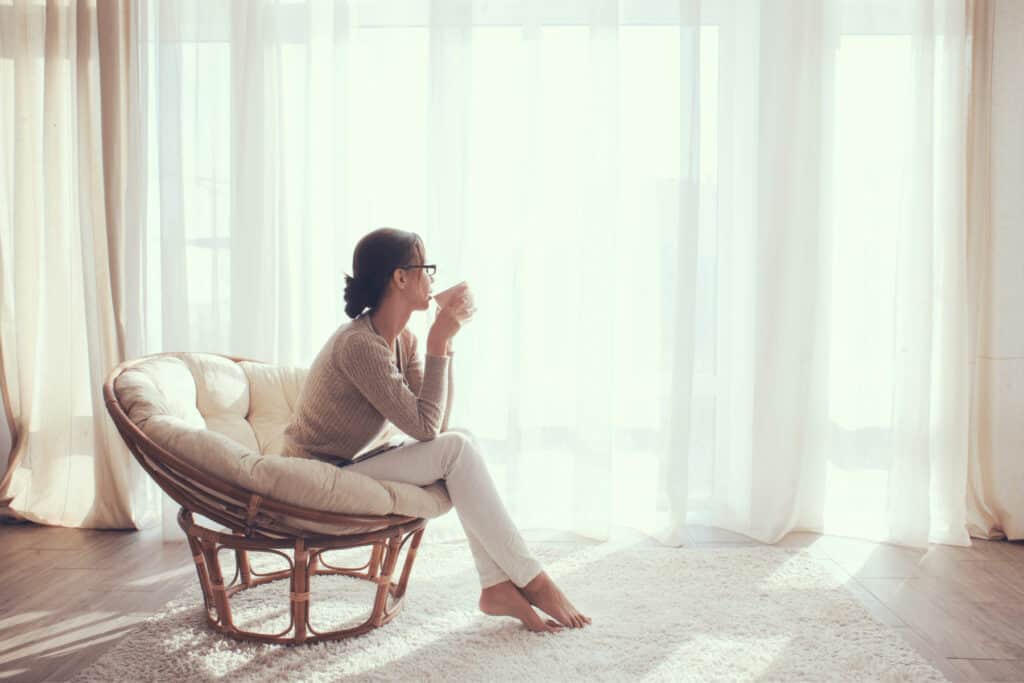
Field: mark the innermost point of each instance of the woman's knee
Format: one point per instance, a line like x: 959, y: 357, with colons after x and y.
x: 461, y: 445
x: 465, y: 432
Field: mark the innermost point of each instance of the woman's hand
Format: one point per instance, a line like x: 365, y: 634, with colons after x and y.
x: 446, y: 325
x: 449, y: 320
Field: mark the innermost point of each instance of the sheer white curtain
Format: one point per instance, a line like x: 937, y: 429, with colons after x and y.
x: 718, y: 247
x: 68, y: 149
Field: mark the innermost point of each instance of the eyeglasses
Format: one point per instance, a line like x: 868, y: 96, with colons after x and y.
x: 429, y: 269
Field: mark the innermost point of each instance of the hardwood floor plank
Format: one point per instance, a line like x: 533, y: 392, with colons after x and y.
x: 990, y: 670
x: 1010, y: 575
x: 865, y: 559
x: 139, y: 568
x: 873, y: 605
x: 16, y: 537
x: 54, y: 635
x: 67, y: 641
x: 971, y: 582
x: 981, y: 550
x: 952, y: 624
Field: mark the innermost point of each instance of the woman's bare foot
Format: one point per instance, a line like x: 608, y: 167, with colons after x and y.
x: 504, y: 599
x: 543, y: 593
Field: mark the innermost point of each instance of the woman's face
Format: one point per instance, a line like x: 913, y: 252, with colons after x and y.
x: 420, y: 284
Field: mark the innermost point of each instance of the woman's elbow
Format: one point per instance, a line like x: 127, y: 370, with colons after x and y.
x: 427, y: 433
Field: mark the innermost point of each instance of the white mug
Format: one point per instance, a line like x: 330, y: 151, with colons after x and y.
x: 444, y: 298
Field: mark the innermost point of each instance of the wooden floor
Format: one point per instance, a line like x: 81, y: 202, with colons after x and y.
x: 961, y: 608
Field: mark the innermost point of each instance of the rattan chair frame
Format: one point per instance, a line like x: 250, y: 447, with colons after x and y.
x: 253, y: 523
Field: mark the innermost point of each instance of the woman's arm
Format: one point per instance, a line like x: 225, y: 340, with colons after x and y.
x: 367, y: 363
x: 414, y: 375
x: 414, y: 366
x: 451, y: 390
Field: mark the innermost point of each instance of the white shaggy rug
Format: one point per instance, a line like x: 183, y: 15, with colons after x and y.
x: 659, y: 614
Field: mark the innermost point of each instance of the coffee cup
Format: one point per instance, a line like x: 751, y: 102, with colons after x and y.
x: 445, y: 298
x: 458, y: 292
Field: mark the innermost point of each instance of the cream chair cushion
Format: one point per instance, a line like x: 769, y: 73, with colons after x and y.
x: 228, y: 419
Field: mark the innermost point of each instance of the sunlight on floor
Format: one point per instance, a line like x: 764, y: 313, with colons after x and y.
x: 161, y: 577
x: 15, y: 619
x: 768, y: 650
x: 75, y: 633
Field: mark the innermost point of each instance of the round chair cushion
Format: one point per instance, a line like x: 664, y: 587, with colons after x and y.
x: 227, y: 419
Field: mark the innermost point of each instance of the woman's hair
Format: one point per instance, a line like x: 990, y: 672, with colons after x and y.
x: 376, y: 256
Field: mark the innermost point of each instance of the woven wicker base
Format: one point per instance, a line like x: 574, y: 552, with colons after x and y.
x: 305, y: 562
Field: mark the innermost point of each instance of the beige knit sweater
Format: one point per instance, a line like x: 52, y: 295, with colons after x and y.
x: 358, y: 396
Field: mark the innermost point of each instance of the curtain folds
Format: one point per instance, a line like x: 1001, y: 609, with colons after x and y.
x: 69, y: 189
x: 995, y: 506
x: 726, y: 253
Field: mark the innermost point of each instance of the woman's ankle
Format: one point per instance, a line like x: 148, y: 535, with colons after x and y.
x: 497, y: 586
x: 537, y: 582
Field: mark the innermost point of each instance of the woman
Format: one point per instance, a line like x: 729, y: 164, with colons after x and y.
x: 368, y: 384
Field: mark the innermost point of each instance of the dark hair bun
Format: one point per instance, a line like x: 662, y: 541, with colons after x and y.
x: 376, y: 256
x: 357, y: 296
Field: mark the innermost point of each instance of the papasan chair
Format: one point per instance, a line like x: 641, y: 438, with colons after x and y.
x: 209, y: 429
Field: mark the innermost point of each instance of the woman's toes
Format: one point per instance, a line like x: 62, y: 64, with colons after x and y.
x: 550, y: 626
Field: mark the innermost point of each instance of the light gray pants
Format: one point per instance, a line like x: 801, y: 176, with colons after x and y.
x: 498, y: 549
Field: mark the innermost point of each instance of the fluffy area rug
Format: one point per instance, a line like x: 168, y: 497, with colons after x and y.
x: 659, y: 614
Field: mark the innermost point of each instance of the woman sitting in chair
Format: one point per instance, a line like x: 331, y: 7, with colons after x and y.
x: 369, y: 377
